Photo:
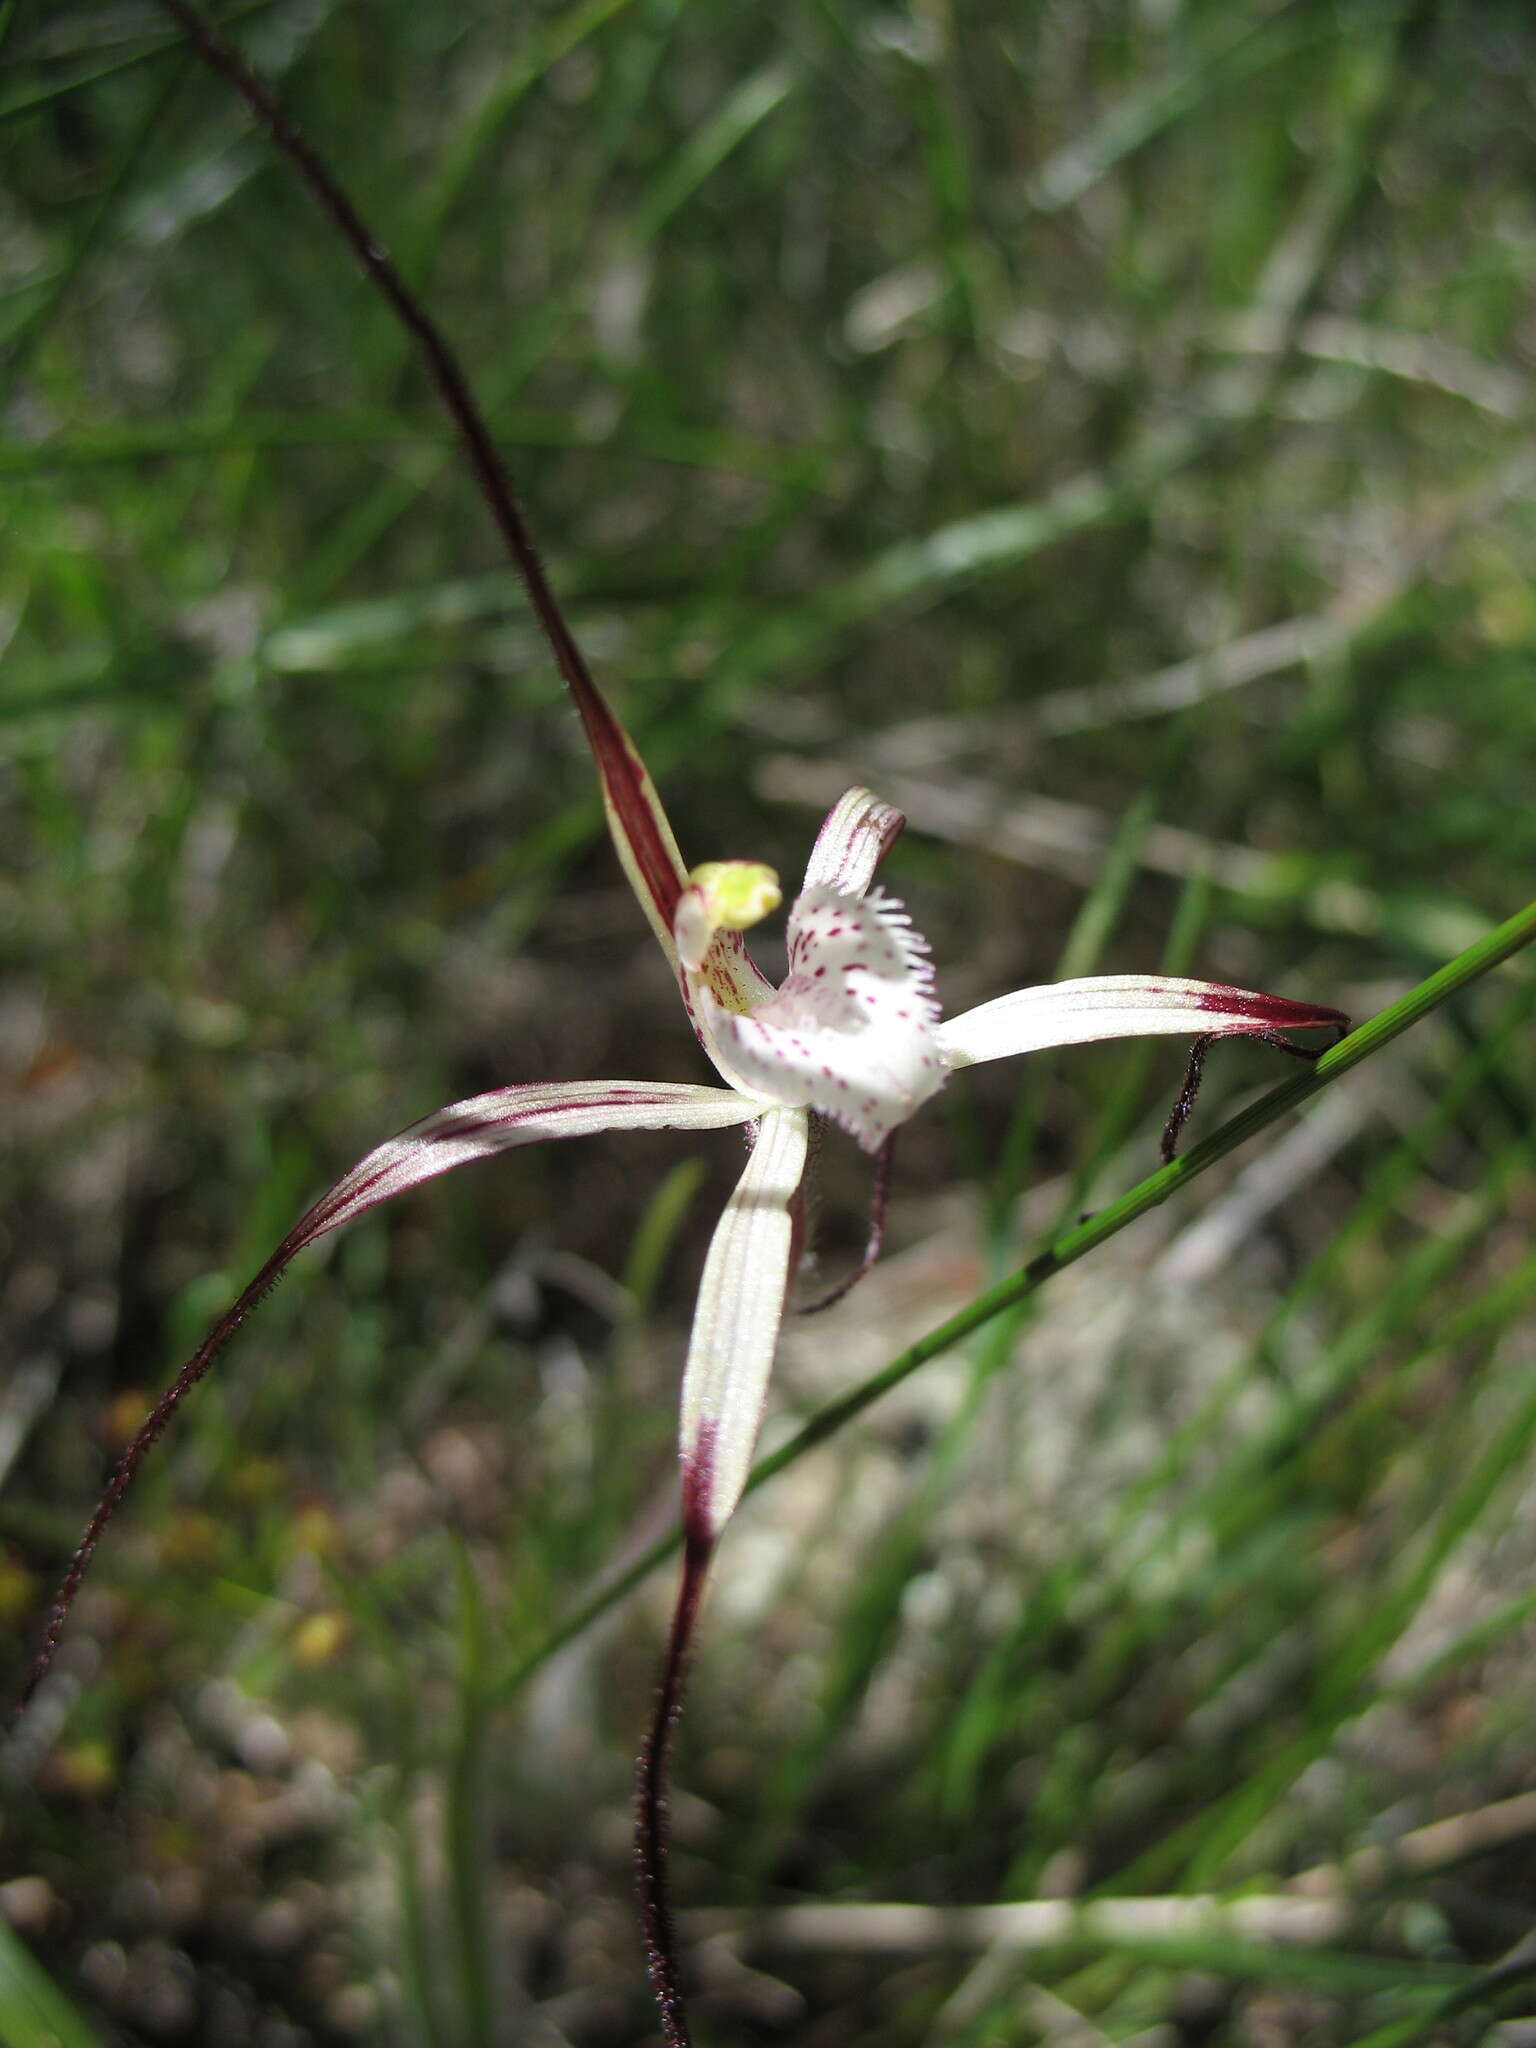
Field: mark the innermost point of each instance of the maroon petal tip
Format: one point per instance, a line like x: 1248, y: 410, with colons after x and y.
x: 1246, y: 1009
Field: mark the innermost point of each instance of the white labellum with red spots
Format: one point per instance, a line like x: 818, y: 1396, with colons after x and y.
x: 852, y: 1031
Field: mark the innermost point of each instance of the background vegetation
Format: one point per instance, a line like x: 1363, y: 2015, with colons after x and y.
x: 1104, y: 427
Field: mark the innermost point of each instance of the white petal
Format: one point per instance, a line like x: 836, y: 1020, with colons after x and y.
x: 524, y: 1115
x: 852, y: 1032
x: 464, y: 1131
x: 1120, y: 1006
x: 855, y: 836
x: 736, y: 1322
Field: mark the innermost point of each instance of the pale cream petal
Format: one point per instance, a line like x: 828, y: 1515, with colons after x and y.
x: 1121, y: 1006
x: 736, y: 1322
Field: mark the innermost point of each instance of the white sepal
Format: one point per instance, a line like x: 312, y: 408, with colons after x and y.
x: 736, y: 1320
x: 1119, y: 1006
x: 523, y: 1115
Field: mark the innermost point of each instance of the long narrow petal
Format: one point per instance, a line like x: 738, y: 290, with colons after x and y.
x: 855, y: 836
x: 464, y: 1131
x: 1122, y: 1006
x: 485, y: 1124
x: 736, y: 1323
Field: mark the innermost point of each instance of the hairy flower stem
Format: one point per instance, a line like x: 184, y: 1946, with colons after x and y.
x: 652, y: 1832
x: 1178, y: 1116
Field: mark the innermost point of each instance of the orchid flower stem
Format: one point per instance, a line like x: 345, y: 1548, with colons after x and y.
x: 1369, y: 1038
x: 652, y: 1825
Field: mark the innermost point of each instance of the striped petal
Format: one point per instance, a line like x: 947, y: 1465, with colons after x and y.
x: 736, y: 1323
x: 637, y: 822
x: 477, y: 1128
x: 1122, y: 1006
x: 464, y: 1131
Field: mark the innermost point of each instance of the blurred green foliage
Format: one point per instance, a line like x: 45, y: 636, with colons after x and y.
x: 1105, y: 428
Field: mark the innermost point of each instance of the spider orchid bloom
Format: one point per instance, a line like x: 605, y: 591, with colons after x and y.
x: 853, y: 1034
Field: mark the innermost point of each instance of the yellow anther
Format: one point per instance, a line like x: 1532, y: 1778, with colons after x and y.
x: 737, y: 893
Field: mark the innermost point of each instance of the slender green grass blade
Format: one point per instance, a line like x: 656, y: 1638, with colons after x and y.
x: 34, y: 2013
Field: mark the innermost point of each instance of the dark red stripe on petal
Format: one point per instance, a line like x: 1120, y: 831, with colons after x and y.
x: 506, y: 1120
x: 628, y: 789
x: 414, y: 1163
x: 1250, y: 1009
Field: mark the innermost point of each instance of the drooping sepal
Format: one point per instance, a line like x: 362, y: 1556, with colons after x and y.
x: 526, y: 1114
x: 736, y: 1323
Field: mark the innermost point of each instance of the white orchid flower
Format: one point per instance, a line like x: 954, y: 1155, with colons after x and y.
x: 853, y: 1034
